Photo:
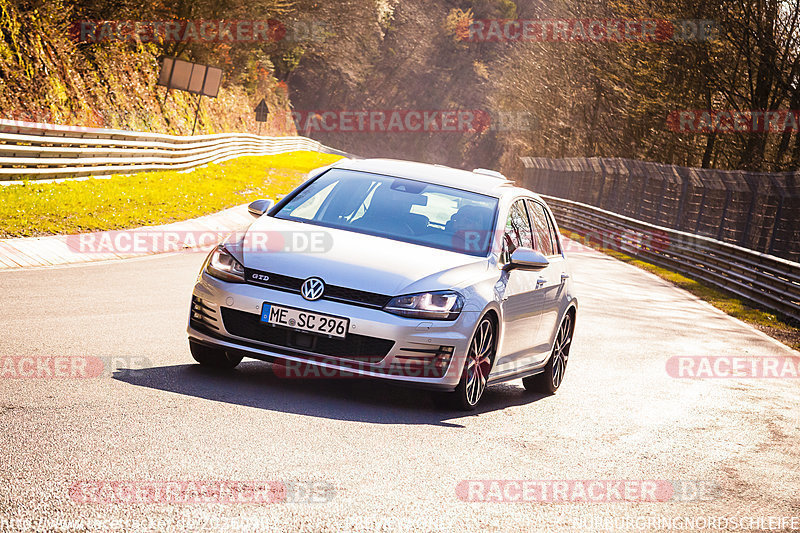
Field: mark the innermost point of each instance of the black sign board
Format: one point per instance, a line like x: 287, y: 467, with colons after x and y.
x: 261, y: 111
x: 191, y: 77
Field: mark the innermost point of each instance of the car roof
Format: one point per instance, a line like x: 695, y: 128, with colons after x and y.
x: 479, y: 181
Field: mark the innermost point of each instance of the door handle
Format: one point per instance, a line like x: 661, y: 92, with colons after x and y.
x: 540, y: 282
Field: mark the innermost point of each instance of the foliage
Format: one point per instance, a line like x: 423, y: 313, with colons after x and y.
x: 457, y: 24
x: 414, y: 63
x: 588, y: 98
x: 46, y: 76
x: 614, y: 98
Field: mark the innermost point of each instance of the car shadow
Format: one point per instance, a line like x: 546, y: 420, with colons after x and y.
x: 254, y: 384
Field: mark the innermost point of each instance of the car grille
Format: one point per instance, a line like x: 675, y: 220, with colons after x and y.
x: 332, y: 292
x: 353, y: 347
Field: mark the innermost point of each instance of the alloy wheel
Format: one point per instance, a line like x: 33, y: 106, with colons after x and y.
x: 561, y: 351
x: 479, y: 360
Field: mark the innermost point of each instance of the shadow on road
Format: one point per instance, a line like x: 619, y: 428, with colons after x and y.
x: 253, y: 384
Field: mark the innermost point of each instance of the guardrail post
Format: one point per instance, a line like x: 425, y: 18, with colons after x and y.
x: 661, y: 194
x: 723, y: 217
x: 617, y: 195
x: 700, y: 210
x: 679, y: 221
x: 778, y: 213
x: 602, y: 183
x: 567, y: 184
x: 751, y: 208
x: 641, y: 198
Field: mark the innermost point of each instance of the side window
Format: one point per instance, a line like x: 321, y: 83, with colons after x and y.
x: 545, y: 236
x: 518, y: 228
x: 554, y: 236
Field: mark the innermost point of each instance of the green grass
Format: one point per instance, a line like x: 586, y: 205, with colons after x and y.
x: 121, y: 202
x: 767, y: 321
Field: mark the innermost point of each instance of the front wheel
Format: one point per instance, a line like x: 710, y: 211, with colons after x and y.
x: 548, y: 381
x: 476, y: 369
x: 212, y: 357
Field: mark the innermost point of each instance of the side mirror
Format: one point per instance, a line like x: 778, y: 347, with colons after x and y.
x: 527, y: 259
x: 259, y: 207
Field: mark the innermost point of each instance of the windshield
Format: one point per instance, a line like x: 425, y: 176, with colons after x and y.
x: 396, y: 208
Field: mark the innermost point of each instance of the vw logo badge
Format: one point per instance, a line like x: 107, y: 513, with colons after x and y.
x: 312, y: 289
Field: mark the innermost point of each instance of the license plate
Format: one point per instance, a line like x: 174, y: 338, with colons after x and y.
x: 304, y: 320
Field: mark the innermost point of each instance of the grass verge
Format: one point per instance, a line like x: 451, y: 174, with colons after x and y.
x: 121, y: 202
x: 769, y: 322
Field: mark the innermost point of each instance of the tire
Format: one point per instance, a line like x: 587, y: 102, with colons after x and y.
x: 550, y: 380
x: 212, y: 357
x: 478, y: 364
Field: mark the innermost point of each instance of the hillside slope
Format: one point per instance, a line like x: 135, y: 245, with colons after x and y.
x: 403, y: 56
x: 46, y: 76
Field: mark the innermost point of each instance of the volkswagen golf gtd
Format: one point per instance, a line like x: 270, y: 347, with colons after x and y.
x: 420, y: 274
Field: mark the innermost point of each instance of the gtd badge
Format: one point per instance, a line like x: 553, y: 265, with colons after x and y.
x: 312, y: 289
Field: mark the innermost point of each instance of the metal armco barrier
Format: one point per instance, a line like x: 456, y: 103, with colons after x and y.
x: 769, y: 281
x: 37, y: 150
x: 755, y: 210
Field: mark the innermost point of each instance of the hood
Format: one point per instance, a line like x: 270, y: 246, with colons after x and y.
x: 353, y: 260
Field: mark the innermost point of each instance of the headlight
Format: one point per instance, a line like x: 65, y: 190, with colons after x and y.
x: 222, y: 265
x: 441, y: 305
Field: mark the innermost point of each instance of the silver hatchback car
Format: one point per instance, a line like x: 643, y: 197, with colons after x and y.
x: 420, y: 274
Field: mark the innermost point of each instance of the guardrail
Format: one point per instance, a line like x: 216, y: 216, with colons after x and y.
x: 769, y: 281
x: 755, y: 210
x: 36, y: 150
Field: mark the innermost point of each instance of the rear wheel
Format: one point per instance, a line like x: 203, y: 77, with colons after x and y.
x: 477, y: 366
x: 548, y: 381
x: 212, y: 357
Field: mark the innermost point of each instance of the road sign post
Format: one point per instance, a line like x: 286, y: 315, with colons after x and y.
x: 194, y: 78
x: 262, y: 111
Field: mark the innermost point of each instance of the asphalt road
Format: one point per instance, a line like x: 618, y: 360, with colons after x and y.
x: 362, y: 455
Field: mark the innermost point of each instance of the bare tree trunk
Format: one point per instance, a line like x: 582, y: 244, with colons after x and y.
x: 786, y: 135
x: 712, y: 137
x: 752, y: 156
x: 795, y: 164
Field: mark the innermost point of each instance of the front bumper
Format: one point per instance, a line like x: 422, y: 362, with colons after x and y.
x: 400, y: 347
